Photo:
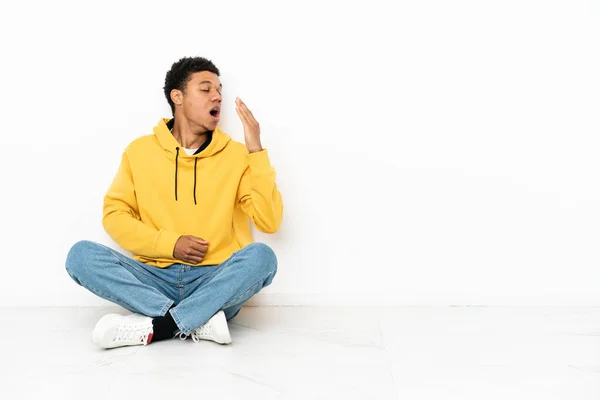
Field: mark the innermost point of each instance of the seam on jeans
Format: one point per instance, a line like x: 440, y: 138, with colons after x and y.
x: 114, y: 253
x: 125, y: 262
x: 178, y: 322
x: 236, y: 299
x: 165, y: 309
x: 180, y: 275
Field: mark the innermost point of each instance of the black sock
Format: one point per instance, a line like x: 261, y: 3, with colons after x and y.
x: 164, y: 327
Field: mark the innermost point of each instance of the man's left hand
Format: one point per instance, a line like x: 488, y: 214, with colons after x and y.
x: 251, y: 127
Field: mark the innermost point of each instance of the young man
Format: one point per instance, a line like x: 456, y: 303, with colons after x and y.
x: 181, y: 203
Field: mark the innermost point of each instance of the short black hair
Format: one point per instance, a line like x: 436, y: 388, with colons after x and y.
x: 181, y: 72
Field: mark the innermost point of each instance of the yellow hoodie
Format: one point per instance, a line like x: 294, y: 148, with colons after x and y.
x: 161, y: 193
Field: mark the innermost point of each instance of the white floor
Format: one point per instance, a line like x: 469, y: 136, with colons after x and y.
x: 315, y: 353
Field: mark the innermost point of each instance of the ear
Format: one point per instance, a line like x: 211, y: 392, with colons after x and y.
x: 177, y: 96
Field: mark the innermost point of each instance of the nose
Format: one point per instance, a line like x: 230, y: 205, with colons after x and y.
x: 217, y: 96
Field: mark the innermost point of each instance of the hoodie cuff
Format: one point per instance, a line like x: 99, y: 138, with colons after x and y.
x: 259, y: 160
x: 165, y: 243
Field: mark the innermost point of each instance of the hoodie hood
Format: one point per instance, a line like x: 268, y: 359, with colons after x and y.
x: 162, y: 131
x: 217, y: 140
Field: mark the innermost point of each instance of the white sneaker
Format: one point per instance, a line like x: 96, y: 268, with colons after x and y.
x: 114, y: 330
x: 214, y: 329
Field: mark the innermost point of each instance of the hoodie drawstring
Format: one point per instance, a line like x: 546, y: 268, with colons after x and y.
x: 176, y: 162
x: 176, y: 170
x: 195, y: 164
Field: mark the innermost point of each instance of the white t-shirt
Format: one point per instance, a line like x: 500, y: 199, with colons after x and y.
x: 190, y: 151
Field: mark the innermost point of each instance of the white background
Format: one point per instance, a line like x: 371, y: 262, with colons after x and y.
x: 428, y: 152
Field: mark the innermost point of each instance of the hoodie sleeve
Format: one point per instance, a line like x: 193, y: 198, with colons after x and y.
x: 258, y: 194
x: 122, y: 221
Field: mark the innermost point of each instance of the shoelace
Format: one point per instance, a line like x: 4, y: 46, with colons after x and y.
x: 197, y: 334
x: 133, y: 333
x: 202, y: 332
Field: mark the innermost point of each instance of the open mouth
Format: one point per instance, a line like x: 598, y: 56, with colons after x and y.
x: 215, y: 112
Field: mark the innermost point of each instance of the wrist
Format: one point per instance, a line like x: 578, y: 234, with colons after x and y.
x: 254, y: 147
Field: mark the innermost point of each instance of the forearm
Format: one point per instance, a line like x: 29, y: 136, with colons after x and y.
x: 262, y: 201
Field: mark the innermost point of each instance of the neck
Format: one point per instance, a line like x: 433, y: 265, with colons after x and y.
x: 189, y: 135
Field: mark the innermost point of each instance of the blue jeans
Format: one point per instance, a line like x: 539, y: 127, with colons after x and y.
x: 197, y: 292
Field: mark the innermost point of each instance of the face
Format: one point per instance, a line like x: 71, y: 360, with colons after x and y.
x: 201, y: 102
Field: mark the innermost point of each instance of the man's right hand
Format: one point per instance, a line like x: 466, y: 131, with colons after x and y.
x: 190, y: 249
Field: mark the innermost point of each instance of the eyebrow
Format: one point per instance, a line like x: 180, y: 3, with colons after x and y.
x: 221, y: 85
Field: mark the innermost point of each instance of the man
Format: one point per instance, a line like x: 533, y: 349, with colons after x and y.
x: 181, y: 203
